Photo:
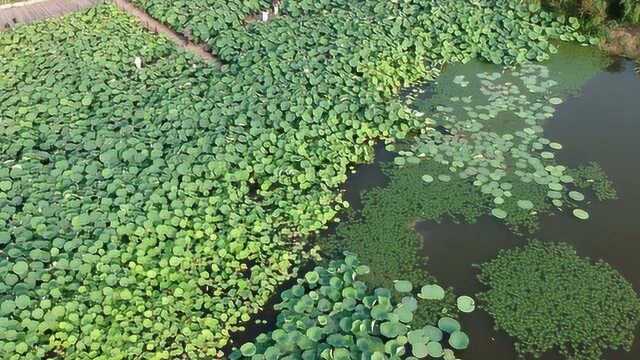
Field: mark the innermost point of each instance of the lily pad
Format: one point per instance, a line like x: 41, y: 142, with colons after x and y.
x: 525, y: 204
x: 575, y: 195
x: 555, y: 101
x: 448, y: 324
x: 434, y: 349
x: 466, y: 304
x: 459, y: 340
x: 433, y: 333
x: 248, y: 349
x: 499, y: 213
x: 431, y: 292
x: 402, y: 286
x: 427, y: 178
x: 581, y: 214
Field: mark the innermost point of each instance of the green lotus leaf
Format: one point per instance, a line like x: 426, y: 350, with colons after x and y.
x: 410, y: 303
x: 21, y: 268
x: 575, y: 195
x: 419, y: 350
x: 448, y: 325
x: 525, y: 204
x: 432, y: 292
x: 581, y: 214
x: 448, y: 355
x: 466, y: 304
x: 248, y: 349
x: 312, y: 277
x: 402, y: 286
x: 499, y: 213
x: 459, y: 340
x: 418, y: 336
x: 404, y: 314
x: 555, y: 101
x: 433, y: 333
x: 434, y: 349
x: 341, y: 354
x: 392, y: 329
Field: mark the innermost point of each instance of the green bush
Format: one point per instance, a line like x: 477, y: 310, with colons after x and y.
x: 547, y: 297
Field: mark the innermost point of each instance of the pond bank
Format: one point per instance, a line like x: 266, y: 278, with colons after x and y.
x: 623, y: 41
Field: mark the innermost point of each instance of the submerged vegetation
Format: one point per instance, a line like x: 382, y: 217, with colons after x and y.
x: 151, y: 204
x: 332, y: 314
x: 547, y: 297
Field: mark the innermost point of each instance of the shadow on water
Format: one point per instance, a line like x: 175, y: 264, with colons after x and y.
x: 602, y: 124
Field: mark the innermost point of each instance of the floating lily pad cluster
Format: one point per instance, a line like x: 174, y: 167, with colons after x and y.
x: 332, y: 314
x: 548, y: 298
x: 150, y: 204
x: 493, y: 136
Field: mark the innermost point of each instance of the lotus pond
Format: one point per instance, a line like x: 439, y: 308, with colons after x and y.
x: 430, y: 219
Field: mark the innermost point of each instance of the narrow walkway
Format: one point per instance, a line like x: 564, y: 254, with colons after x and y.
x: 155, y: 26
x: 26, y: 12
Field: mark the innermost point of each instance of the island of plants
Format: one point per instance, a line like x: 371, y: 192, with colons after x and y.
x: 547, y: 297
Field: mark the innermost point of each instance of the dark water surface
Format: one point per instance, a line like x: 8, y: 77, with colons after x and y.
x: 601, y: 124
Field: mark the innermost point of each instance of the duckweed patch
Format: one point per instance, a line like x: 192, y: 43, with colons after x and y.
x: 547, y: 297
x: 332, y: 314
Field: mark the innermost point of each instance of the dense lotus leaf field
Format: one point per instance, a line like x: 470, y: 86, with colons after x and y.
x: 148, y: 211
x: 202, y: 20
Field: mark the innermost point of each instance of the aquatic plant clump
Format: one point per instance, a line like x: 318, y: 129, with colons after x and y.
x: 332, y: 314
x: 158, y: 202
x: 547, y: 297
x: 592, y: 177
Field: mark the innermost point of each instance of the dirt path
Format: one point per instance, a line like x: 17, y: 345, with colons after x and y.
x: 155, y: 26
x: 26, y: 12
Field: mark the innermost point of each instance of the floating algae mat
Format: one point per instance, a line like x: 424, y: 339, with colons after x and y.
x: 502, y: 149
